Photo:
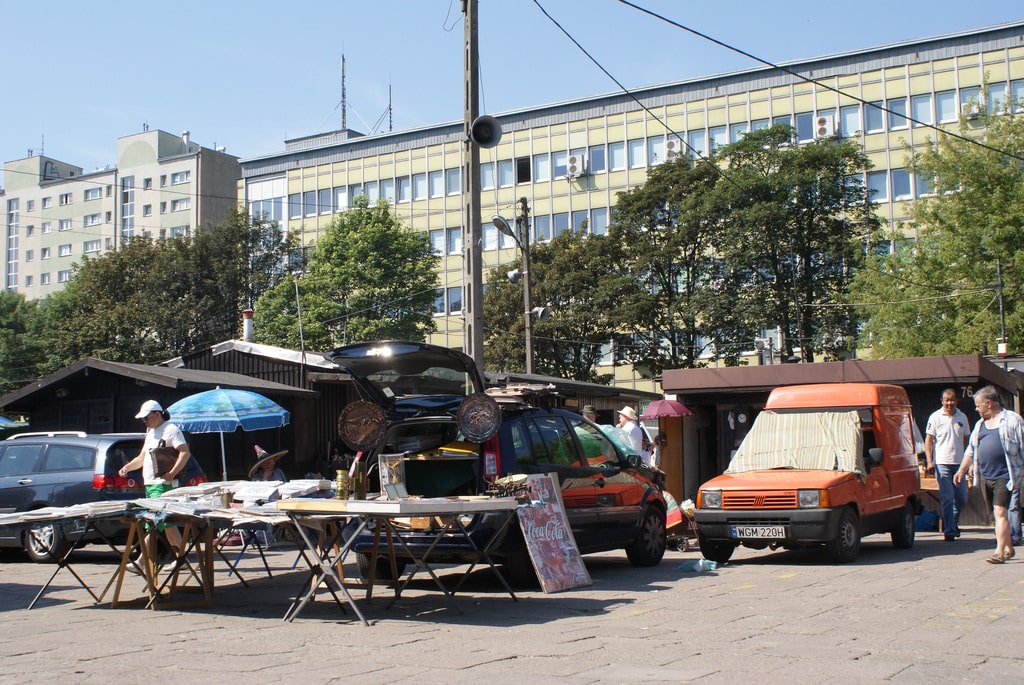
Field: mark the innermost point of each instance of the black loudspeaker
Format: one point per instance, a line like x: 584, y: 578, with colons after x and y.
x: 485, y: 131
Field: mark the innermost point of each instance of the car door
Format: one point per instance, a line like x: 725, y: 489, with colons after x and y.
x: 64, y: 475
x: 18, y: 478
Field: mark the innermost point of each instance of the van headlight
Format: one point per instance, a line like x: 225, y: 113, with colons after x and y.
x: 710, y: 499
x: 808, y: 499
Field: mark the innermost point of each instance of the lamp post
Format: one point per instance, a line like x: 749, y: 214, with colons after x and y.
x: 521, y: 236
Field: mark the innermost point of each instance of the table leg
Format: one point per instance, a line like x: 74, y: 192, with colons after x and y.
x: 324, y: 571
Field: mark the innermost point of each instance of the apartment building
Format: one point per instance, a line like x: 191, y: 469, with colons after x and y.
x: 56, y: 213
x: 570, y: 159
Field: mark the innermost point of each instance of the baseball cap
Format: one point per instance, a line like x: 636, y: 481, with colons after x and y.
x: 147, y: 407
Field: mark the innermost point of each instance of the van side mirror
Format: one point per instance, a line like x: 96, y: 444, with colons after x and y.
x: 875, y: 455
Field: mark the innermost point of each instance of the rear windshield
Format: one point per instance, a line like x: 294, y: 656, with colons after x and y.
x: 119, y: 454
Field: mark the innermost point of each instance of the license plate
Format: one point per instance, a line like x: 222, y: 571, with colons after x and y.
x: 769, y: 532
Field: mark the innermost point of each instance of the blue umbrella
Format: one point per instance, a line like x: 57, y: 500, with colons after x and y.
x: 5, y: 422
x: 224, y: 411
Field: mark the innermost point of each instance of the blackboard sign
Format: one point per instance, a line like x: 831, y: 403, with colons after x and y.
x: 553, y: 551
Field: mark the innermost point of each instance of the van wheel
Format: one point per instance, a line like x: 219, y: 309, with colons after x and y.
x: 383, y: 567
x: 648, y: 548
x: 903, y: 533
x: 846, y: 545
x: 46, y: 543
x: 719, y: 552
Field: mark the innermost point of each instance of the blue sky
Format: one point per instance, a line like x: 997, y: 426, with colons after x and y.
x: 248, y: 75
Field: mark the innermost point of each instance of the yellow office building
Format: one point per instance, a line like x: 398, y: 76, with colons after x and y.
x: 570, y: 159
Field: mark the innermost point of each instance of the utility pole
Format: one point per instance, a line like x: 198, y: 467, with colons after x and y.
x: 471, y: 232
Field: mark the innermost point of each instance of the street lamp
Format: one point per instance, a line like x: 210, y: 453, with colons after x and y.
x: 521, y: 235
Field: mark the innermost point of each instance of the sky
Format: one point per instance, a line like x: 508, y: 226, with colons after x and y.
x: 249, y: 75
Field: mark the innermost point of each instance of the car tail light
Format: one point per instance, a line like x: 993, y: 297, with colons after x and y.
x: 492, y: 459
x: 108, y: 482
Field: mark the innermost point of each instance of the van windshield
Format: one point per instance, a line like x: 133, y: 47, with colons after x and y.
x: 811, y: 440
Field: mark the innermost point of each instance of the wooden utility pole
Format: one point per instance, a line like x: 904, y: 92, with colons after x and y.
x: 472, y: 307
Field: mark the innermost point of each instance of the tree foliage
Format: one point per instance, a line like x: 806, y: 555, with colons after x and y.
x: 369, y: 278
x: 570, y: 278
x: 20, y: 346
x: 941, y: 293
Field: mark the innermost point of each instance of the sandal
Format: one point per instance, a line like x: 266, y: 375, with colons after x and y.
x: 996, y: 559
x: 1010, y: 555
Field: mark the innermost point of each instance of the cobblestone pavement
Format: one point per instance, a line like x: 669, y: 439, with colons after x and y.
x: 935, y: 613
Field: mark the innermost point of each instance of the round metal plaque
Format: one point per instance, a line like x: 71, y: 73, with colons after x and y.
x: 479, y: 417
x: 361, y: 425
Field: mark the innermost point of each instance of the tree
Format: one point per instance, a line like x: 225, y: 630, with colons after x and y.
x: 664, y: 266
x: 369, y: 278
x: 796, y: 222
x: 570, y: 278
x: 152, y: 300
x: 20, y: 347
x: 944, y: 293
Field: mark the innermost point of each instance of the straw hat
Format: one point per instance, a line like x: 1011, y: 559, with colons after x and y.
x: 262, y: 457
x: 629, y: 413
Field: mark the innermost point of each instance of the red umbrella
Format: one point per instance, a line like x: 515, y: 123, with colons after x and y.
x: 665, y: 408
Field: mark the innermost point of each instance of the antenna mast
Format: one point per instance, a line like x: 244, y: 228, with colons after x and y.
x: 344, y: 100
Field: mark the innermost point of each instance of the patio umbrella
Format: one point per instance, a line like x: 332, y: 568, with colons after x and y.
x: 665, y: 408
x: 224, y: 411
x: 5, y: 422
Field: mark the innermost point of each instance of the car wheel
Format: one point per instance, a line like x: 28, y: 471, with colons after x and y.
x: 383, y: 567
x: 903, y: 533
x: 719, y: 552
x: 46, y: 543
x: 846, y: 545
x: 648, y: 547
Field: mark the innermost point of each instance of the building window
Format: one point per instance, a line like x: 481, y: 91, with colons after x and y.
x: 945, y: 107
x: 897, y: 113
x: 616, y: 156
x: 923, y: 186
x: 64, y: 199
x: 29, y: 255
x: 874, y: 118
x: 805, y: 126
x: 180, y: 177
x: 64, y: 224
x: 596, y: 159
x: 163, y: 207
x: 901, y: 188
x: 455, y: 241
x: 30, y: 205
x: 147, y: 210
x: 487, y: 178
x: 542, y: 228
x: 561, y: 224
x: 387, y: 189
x: 580, y: 221
x: 921, y: 110
x: 147, y: 184
x: 490, y: 238
x: 47, y: 202
x: 737, y: 131
x: 453, y: 181
x: 178, y: 231
x: 64, y: 250
x: 108, y: 217
x: 419, y: 187
x: 637, y: 157
x: 29, y: 230
x: 181, y: 204
x: 64, y: 276
x: 309, y: 203
x: 849, y: 121
x: 455, y: 300
x: 90, y: 246
x: 541, y: 168
x: 44, y: 253
x: 655, y: 151
x: 324, y: 200
x: 1017, y: 95
x: 523, y: 170
x: 28, y: 281
x: 437, y: 240
x: 46, y: 227
x: 435, y: 183
x: 878, y: 190
x: 163, y: 180
x: 91, y: 220
x: 698, y: 142
x: 93, y: 193
x: 506, y: 173
x: 44, y: 279
x: 404, y: 189
x: 599, y: 221
x: 439, y: 302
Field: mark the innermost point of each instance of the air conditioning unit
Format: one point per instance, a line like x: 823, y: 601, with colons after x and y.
x: 673, y: 147
x: 577, y: 166
x: 824, y: 127
x: 971, y: 110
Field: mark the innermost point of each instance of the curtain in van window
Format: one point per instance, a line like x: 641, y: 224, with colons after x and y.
x: 819, y: 440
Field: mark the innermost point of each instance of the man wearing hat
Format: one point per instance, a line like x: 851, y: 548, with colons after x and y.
x: 266, y: 467
x: 589, y: 413
x: 628, y: 423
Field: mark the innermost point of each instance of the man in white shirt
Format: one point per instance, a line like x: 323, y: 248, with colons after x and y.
x: 945, y: 438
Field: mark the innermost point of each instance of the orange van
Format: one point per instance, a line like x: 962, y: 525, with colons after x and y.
x: 822, y: 464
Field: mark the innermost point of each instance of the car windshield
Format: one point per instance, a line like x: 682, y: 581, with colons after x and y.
x: 619, y: 437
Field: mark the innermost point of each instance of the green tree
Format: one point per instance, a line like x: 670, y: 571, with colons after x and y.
x: 941, y: 294
x: 663, y: 270
x: 20, y: 347
x: 570, y: 278
x: 796, y: 222
x: 369, y: 278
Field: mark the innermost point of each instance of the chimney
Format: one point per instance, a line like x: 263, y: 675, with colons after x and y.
x: 247, y: 325
x: 184, y: 137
